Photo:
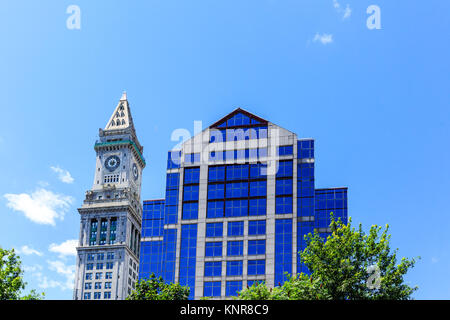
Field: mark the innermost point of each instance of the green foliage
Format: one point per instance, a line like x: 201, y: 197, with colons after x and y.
x: 340, y: 269
x: 304, y: 287
x: 259, y: 291
x: 156, y: 289
x: 11, y: 280
x: 341, y: 263
x: 33, y: 295
x: 297, y: 287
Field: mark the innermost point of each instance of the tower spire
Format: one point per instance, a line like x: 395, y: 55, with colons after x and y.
x: 121, y: 118
x: 111, y: 214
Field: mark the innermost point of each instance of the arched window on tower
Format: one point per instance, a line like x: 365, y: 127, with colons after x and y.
x: 132, y: 237
x: 136, y: 237
x: 93, y: 232
x: 112, y: 231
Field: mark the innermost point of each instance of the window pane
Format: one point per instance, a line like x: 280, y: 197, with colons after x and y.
x: 214, y: 229
x: 236, y: 228
x: 256, y: 227
x: 215, y: 209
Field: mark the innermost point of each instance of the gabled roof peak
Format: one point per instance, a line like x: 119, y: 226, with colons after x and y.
x: 239, y: 117
x: 121, y: 118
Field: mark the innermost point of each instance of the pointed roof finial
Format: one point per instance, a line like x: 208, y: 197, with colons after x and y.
x: 121, y: 117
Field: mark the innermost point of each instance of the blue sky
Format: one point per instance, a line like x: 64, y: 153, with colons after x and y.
x: 376, y: 101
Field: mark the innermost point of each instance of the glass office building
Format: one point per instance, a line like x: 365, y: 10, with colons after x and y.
x: 240, y: 197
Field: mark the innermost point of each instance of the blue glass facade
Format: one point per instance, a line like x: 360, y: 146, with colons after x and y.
x: 226, y: 221
x: 188, y: 249
x: 152, y: 228
x: 283, y: 249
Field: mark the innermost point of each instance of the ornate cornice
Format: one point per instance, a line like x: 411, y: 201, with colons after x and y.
x: 100, y: 145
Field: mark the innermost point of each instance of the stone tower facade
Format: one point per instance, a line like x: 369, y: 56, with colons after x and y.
x: 111, y: 214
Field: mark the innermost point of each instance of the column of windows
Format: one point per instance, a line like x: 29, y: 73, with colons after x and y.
x: 190, y: 193
x: 98, y: 261
x: 188, y: 250
x: 112, y: 231
x: 283, y: 249
x: 103, y: 231
x: 236, y: 190
x: 283, y: 188
x: 172, y: 189
x: 93, y: 232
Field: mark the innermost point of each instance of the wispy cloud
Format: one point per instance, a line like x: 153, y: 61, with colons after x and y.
x: 58, y: 268
x: 41, y: 206
x: 345, y: 12
x: 43, y: 184
x: 66, y: 248
x: 44, y: 282
x: 63, y: 175
x: 26, y: 250
x: 323, y: 38
x: 35, y: 268
x: 67, y: 271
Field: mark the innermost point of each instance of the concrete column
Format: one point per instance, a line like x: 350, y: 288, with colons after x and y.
x: 295, y: 210
x: 108, y: 230
x: 97, y: 240
x: 201, y: 230
x: 270, y: 218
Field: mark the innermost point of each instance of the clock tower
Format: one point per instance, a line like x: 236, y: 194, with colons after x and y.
x: 111, y: 214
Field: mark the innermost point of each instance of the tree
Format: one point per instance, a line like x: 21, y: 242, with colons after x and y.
x: 348, y: 265
x: 297, y: 287
x: 259, y: 291
x: 11, y: 280
x: 304, y: 287
x: 156, y: 289
x: 343, y: 263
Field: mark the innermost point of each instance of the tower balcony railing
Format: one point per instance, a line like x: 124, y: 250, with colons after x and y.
x: 100, y: 144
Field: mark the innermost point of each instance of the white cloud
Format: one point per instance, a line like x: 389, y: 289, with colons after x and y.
x: 41, y: 206
x: 44, y: 282
x: 67, y: 248
x: 68, y: 271
x: 59, y: 268
x: 26, y: 250
x: 34, y: 268
x: 323, y: 38
x: 346, y: 12
x: 63, y: 175
x: 43, y: 184
x: 336, y: 4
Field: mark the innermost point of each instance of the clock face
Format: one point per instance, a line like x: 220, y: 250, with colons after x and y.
x: 112, y: 163
x: 135, y: 171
